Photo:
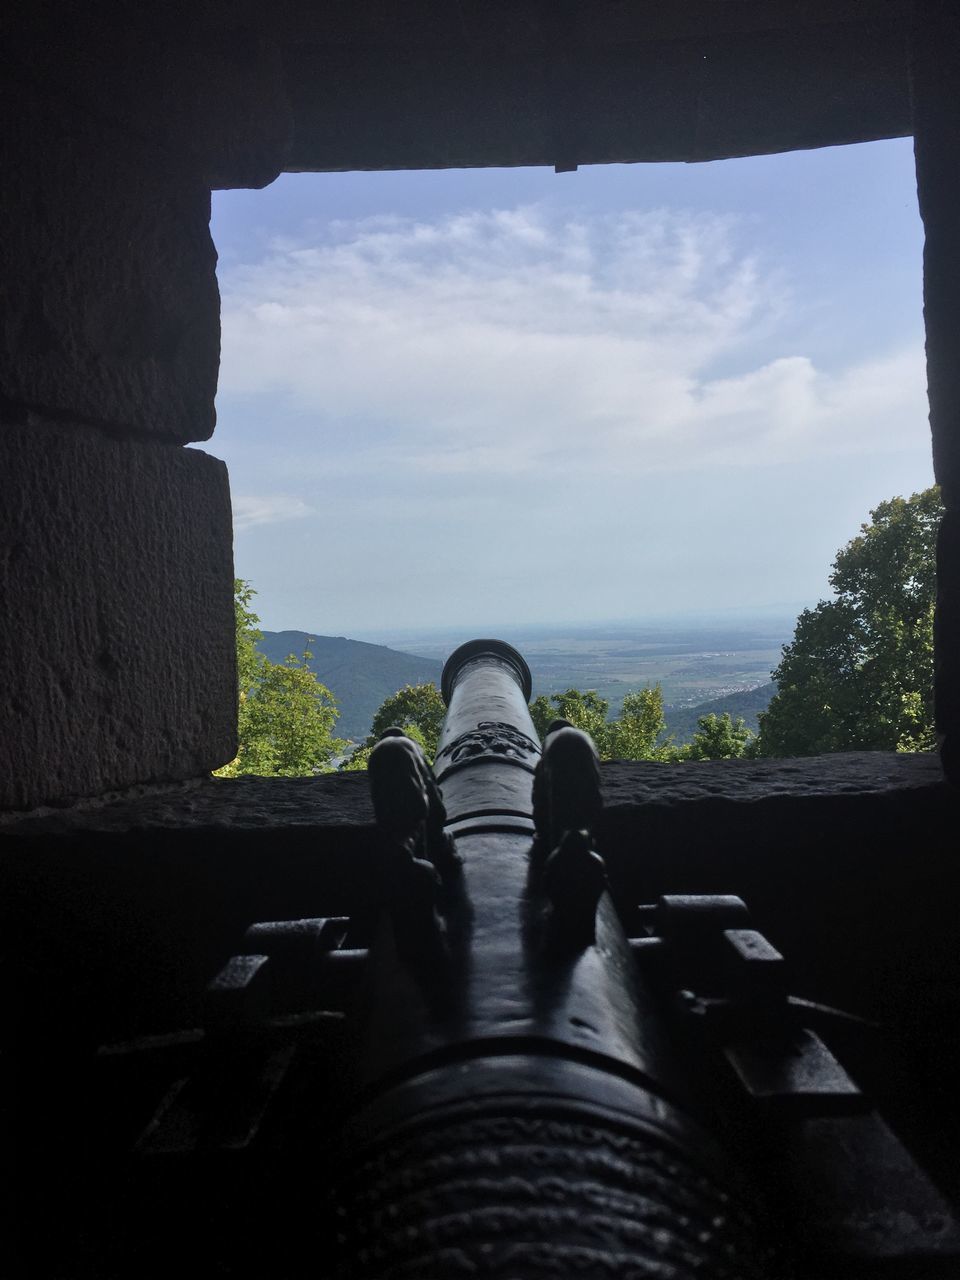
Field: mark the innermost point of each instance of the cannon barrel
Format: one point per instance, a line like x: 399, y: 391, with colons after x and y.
x: 520, y: 1114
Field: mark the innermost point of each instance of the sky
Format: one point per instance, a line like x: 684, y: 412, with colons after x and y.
x: 519, y: 398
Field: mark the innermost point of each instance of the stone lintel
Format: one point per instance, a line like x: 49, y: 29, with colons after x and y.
x: 536, y: 100
x: 201, y: 82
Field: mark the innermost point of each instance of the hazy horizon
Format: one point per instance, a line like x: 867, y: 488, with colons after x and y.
x: 692, y: 623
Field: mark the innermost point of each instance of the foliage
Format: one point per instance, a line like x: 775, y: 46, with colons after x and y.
x: 858, y: 674
x: 585, y: 710
x: 683, y: 722
x: 543, y: 713
x: 249, y: 658
x: 636, y: 734
x: 417, y: 709
x: 362, y: 675
x: 357, y: 760
x: 632, y: 736
x: 718, y: 738
x: 285, y: 716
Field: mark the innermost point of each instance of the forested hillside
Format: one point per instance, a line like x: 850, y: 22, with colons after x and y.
x: 682, y: 721
x: 360, y: 675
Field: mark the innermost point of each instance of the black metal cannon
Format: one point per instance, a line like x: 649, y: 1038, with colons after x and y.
x: 522, y: 1113
x: 543, y: 1096
x: 512, y: 1086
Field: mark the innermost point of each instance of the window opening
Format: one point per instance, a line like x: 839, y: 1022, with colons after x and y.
x: 623, y: 417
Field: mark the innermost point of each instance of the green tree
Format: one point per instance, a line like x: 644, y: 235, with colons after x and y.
x: 543, y: 713
x: 285, y: 716
x: 249, y: 658
x: 858, y: 674
x: 417, y: 709
x: 635, y: 732
x: 416, y: 706
x: 718, y: 738
x: 357, y: 760
x: 632, y: 736
x: 585, y: 710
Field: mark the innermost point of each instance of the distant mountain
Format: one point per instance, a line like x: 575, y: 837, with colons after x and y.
x: 682, y: 721
x: 359, y: 675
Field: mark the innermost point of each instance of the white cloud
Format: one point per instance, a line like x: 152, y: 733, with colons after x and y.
x: 266, y: 508
x: 513, y: 341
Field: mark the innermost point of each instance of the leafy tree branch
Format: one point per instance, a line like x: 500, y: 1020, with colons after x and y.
x: 285, y: 716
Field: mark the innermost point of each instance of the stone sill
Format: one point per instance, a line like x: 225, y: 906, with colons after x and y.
x: 341, y: 799
x: 844, y: 861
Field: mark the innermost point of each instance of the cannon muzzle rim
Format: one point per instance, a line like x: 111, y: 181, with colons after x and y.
x: 483, y: 649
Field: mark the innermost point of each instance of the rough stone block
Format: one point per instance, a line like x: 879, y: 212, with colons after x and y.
x: 936, y: 73
x: 205, y: 79
x: 111, y: 306
x: 946, y: 644
x: 117, y: 662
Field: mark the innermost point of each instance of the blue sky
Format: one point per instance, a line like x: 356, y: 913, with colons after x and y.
x: 514, y: 397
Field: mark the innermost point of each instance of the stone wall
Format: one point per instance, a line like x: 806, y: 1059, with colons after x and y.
x: 936, y: 77
x: 116, y: 652
x: 118, y: 121
x: 118, y: 644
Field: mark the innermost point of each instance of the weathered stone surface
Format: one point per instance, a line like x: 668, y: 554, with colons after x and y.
x: 204, y: 80
x: 343, y: 799
x: 936, y: 77
x: 946, y: 644
x: 116, y: 653
x: 852, y: 774
x: 937, y: 117
x: 527, y: 84
x: 840, y: 858
x: 424, y: 84
x: 111, y: 308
